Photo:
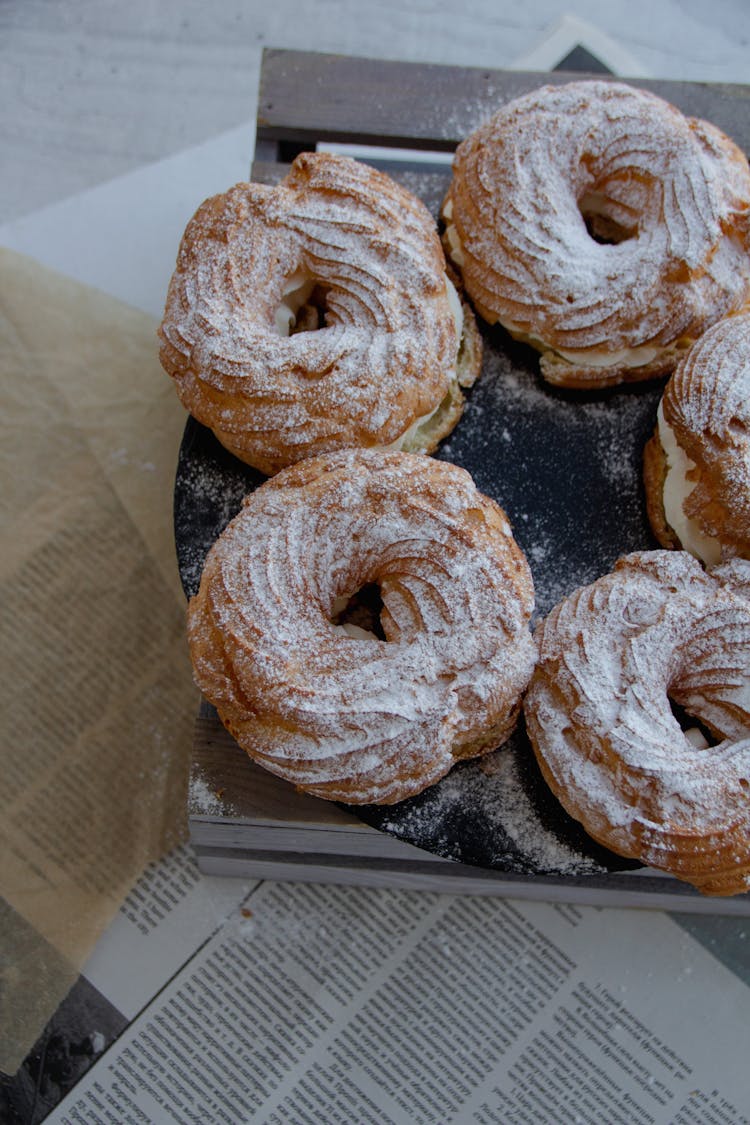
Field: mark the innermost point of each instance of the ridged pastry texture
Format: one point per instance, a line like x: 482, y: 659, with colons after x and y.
x: 706, y: 405
x: 344, y: 252
x: 598, y: 223
x: 357, y: 718
x: 611, y: 657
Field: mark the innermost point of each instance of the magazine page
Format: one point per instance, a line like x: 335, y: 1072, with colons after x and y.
x: 166, y: 917
x: 341, y: 1004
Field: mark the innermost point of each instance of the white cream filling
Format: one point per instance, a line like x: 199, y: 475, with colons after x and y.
x: 296, y: 292
x: 592, y: 357
x: 696, y: 738
x: 347, y: 628
x: 456, y: 308
x: 356, y: 632
x: 677, y: 488
x: 452, y: 236
x: 407, y: 435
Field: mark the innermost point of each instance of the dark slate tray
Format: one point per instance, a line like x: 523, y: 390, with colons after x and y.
x: 567, y: 469
x: 566, y: 466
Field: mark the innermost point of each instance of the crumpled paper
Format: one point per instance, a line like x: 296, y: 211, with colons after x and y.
x: 98, y: 700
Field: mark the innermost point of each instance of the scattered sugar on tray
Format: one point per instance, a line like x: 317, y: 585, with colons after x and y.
x: 205, y: 486
x: 515, y: 432
x: 205, y: 800
x: 469, y: 113
x: 491, y: 790
x: 506, y: 803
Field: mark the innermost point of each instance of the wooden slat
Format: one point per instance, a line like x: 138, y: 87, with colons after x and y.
x: 430, y: 873
x: 305, y: 97
x: 240, y: 789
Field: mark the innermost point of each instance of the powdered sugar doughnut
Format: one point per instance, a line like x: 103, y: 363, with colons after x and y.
x: 697, y: 464
x: 611, y: 657
x: 334, y: 709
x: 597, y: 223
x: 317, y: 315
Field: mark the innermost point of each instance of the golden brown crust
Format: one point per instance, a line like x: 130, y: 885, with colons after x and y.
x: 428, y: 435
x: 654, y: 475
x: 351, y: 717
x: 611, y: 657
x: 707, y: 405
x: 338, y: 248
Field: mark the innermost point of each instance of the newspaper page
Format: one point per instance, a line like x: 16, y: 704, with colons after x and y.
x: 321, y: 1003
x: 167, y: 916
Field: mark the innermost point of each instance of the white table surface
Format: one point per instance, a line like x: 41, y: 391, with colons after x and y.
x: 91, y: 89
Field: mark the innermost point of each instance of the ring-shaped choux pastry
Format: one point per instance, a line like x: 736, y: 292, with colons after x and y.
x: 596, y: 222
x: 334, y: 708
x: 317, y: 315
x: 613, y: 657
x: 697, y: 464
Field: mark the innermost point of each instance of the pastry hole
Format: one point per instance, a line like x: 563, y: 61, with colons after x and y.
x: 361, y: 612
x: 312, y: 313
x: 602, y: 227
x: 699, y: 736
x: 303, y: 306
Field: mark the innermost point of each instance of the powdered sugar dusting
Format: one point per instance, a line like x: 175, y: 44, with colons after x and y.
x: 364, y: 719
x: 667, y: 197
x: 512, y: 835
x: 707, y: 405
x: 611, y: 655
x: 565, y: 466
x: 205, y: 801
x: 386, y: 351
x: 209, y: 490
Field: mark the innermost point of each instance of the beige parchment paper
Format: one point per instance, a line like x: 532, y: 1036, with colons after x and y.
x: 98, y: 702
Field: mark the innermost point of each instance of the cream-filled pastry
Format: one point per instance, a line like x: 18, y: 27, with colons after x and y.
x: 598, y: 224
x: 325, y: 702
x: 317, y: 315
x: 613, y: 657
x: 697, y: 464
